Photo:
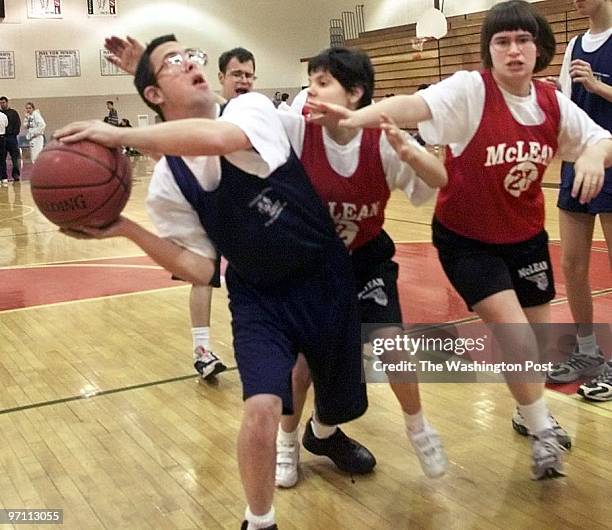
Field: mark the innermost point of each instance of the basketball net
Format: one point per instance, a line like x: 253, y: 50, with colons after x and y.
x: 417, y: 43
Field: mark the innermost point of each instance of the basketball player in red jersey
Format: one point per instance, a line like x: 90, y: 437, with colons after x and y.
x: 502, y: 129
x: 354, y: 172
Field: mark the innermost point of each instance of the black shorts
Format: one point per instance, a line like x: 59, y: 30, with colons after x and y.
x: 376, y: 275
x: 215, y: 281
x: 478, y: 270
x: 316, y: 315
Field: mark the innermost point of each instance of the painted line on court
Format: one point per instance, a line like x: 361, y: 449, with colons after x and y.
x: 80, y: 397
x: 95, y: 299
x: 65, y: 261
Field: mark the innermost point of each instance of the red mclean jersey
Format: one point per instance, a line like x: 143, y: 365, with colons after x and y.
x: 356, y: 203
x: 494, y: 189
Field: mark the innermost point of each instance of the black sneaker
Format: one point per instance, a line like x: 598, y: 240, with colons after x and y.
x: 348, y: 454
x: 245, y: 525
x: 206, y: 363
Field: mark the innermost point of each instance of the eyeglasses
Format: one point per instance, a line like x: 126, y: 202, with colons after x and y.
x: 503, y: 44
x: 177, y: 60
x: 239, y: 74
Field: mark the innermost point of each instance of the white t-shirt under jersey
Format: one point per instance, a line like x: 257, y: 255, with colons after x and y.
x: 173, y: 216
x: 590, y: 42
x: 344, y: 158
x: 457, y: 104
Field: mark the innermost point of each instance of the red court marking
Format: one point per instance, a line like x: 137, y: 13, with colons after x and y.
x: 80, y: 280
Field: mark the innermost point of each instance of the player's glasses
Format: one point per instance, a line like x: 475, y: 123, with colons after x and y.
x: 176, y: 60
x: 239, y: 74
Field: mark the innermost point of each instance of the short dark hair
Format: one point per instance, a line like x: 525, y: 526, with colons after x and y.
x: 515, y: 15
x: 423, y: 86
x: 242, y: 54
x: 3, y: 98
x: 352, y: 68
x: 145, y: 76
x: 109, y: 102
x: 284, y: 96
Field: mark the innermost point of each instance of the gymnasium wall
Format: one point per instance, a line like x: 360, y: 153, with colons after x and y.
x: 278, y: 32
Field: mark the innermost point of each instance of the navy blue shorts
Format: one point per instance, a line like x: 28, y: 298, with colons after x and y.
x: 316, y: 315
x: 478, y: 270
x: 602, y: 203
x: 376, y: 274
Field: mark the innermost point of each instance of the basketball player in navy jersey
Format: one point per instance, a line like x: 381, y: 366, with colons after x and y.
x: 489, y: 219
x: 586, y: 77
x: 290, y: 283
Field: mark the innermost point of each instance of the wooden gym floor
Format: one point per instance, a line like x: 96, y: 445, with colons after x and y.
x: 100, y: 414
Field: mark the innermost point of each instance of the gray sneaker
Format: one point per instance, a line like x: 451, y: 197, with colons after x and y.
x: 519, y: 425
x: 576, y: 367
x: 600, y: 388
x: 546, y: 455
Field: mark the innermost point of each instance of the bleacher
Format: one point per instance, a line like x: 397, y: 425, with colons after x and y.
x: 400, y: 69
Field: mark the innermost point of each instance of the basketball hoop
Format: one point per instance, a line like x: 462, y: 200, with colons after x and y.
x: 432, y: 24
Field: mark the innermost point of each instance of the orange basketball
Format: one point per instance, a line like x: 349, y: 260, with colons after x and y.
x: 81, y: 184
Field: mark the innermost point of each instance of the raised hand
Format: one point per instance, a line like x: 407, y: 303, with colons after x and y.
x: 397, y: 140
x: 321, y: 113
x: 125, y: 52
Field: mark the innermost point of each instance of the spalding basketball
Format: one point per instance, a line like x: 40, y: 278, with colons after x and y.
x: 81, y: 184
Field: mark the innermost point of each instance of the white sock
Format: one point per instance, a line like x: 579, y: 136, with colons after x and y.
x: 201, y: 337
x: 537, y: 416
x: 259, y: 521
x: 321, y: 430
x: 588, y: 345
x: 415, y: 422
x: 287, y: 437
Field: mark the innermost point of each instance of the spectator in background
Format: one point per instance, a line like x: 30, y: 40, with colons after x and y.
x: 35, y: 130
x: 113, y: 117
x: 277, y: 99
x: 10, y: 140
x: 236, y: 72
x: 3, y: 126
x: 283, y: 104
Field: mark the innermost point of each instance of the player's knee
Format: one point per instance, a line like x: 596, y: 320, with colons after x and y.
x: 575, y: 265
x: 261, y: 416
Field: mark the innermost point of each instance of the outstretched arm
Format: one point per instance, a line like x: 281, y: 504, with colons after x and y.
x: 190, y: 137
x: 125, y: 53
x: 427, y: 166
x: 179, y: 261
x: 406, y: 111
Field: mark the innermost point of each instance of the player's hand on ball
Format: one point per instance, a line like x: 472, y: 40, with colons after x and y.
x: 93, y: 130
x: 116, y: 229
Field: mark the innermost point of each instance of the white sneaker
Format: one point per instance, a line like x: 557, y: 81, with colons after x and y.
x: 428, y: 448
x: 546, y: 456
x: 287, y: 460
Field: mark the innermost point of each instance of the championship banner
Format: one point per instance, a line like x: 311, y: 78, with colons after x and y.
x: 101, y: 8
x: 44, y: 8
